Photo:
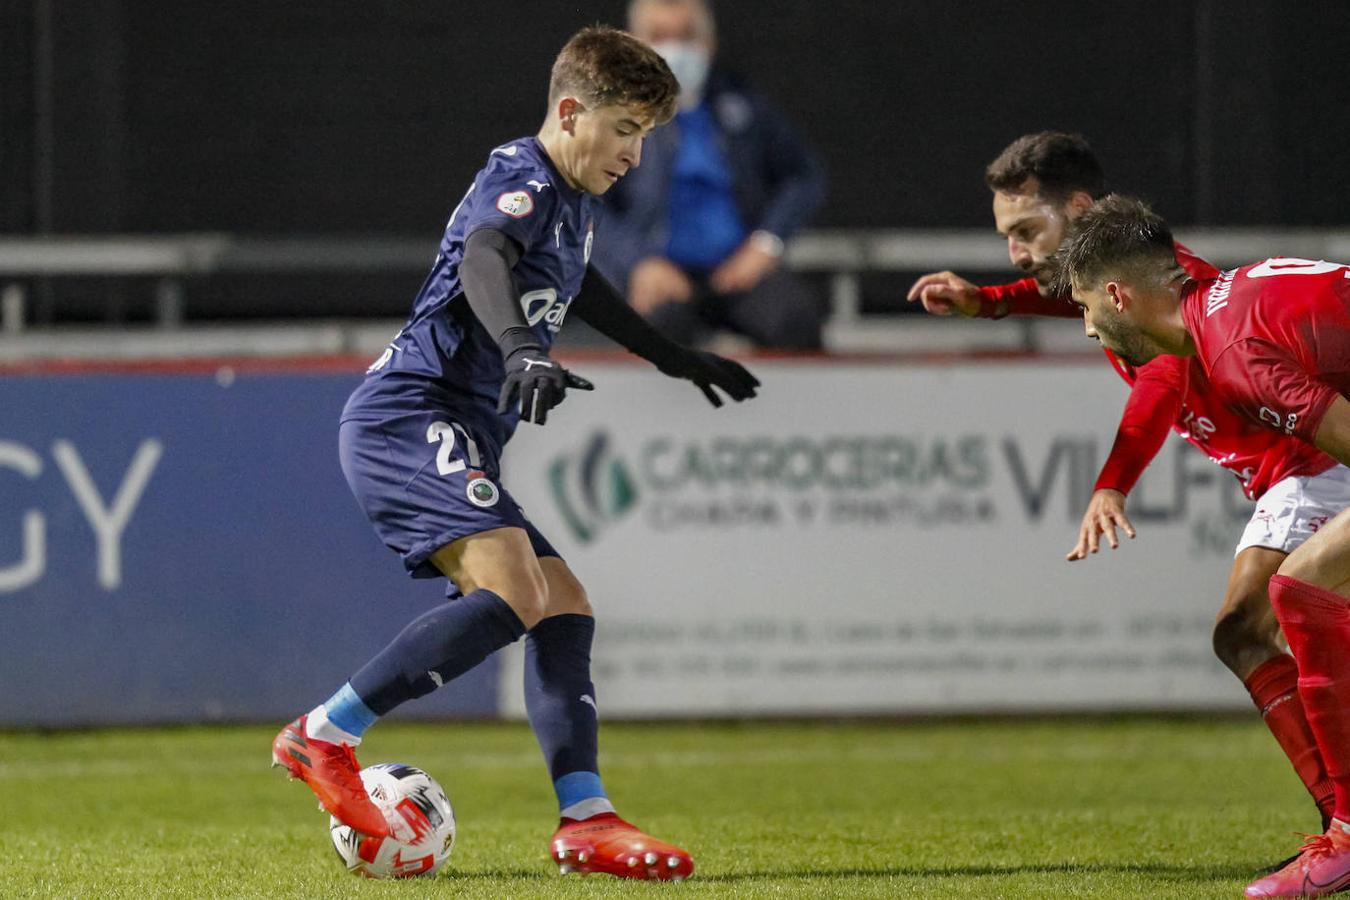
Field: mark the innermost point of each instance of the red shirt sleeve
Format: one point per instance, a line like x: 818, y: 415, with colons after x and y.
x: 1195, y: 267
x: 1264, y: 382
x: 1023, y: 298
x: 1154, y: 405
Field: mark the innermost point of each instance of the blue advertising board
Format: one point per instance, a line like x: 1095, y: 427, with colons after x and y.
x: 182, y: 547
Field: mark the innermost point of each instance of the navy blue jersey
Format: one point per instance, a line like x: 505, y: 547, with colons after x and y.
x: 444, y: 358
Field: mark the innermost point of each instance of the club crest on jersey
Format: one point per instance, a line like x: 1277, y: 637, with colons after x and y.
x: 516, y: 204
x: 481, y: 492
x: 590, y: 239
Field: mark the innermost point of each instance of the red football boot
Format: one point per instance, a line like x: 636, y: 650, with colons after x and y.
x: 332, y: 773
x: 1322, y: 867
x: 606, y: 843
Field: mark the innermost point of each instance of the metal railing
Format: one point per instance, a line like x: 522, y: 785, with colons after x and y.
x: 844, y: 257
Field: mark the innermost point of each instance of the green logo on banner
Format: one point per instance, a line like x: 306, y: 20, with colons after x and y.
x: 592, y: 488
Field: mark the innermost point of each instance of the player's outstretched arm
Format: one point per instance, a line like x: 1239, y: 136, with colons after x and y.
x: 533, y: 380
x: 1154, y: 404
x: 600, y: 306
x: 945, y: 294
x: 1333, y: 432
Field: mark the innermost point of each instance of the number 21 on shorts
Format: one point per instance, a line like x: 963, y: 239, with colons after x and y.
x: 446, y: 434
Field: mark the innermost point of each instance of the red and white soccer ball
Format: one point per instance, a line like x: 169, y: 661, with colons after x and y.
x: 419, y: 815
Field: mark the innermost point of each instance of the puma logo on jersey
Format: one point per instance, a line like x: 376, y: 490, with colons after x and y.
x: 589, y: 701
x: 383, y: 361
x: 537, y: 185
x: 541, y: 363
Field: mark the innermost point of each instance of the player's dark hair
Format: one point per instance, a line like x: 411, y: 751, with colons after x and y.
x: 1118, y: 236
x: 1062, y: 163
x: 602, y: 65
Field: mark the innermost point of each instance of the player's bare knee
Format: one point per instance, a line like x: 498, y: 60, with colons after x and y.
x: 1246, y: 633
x: 573, y: 601
x: 1243, y: 638
x: 1316, y: 563
x: 528, y: 597
x: 566, y: 595
x: 524, y: 590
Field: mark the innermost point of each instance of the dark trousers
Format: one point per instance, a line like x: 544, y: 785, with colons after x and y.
x: 780, y: 313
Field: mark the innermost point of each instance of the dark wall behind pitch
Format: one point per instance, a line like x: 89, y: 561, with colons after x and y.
x: 262, y: 117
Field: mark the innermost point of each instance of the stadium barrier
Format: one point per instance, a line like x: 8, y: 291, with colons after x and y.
x: 182, y: 547
x: 844, y: 256
x: 178, y: 544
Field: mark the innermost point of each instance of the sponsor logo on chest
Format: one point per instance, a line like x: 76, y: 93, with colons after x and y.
x: 545, y: 306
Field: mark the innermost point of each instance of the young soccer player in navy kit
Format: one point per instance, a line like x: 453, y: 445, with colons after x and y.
x: 421, y: 442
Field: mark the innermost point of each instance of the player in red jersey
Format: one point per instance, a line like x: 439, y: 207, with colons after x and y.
x: 1041, y: 183
x: 1274, y: 339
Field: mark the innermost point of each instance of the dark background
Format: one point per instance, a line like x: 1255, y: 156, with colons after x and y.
x: 306, y: 117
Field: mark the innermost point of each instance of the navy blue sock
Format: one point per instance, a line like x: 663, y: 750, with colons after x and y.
x: 560, y: 700
x: 436, y: 647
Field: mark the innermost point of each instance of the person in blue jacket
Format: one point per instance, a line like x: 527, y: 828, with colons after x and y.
x: 695, y: 237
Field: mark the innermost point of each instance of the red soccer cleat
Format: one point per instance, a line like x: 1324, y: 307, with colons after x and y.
x: 606, y: 843
x: 332, y: 773
x: 1322, y: 867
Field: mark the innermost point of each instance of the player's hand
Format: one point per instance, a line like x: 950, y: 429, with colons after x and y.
x: 538, y: 382
x: 945, y: 293
x: 1105, y: 513
x: 656, y: 281
x: 708, y: 370
x: 743, y: 270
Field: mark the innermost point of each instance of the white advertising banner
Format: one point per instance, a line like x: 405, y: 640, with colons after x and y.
x: 876, y: 538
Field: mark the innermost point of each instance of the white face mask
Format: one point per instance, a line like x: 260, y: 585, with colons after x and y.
x: 689, y: 61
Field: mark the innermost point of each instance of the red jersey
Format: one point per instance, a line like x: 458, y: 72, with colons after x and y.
x: 1274, y: 338
x: 1171, y: 392
x: 1177, y: 391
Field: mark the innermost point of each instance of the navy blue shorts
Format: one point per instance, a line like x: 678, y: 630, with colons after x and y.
x: 426, y: 480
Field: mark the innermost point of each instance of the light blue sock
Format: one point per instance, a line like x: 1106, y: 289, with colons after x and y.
x: 581, y: 795
x: 348, y: 711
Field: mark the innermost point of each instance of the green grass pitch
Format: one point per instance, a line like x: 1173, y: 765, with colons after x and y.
x: 1075, y: 808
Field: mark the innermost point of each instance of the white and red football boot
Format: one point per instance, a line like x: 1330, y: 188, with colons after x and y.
x: 332, y: 773
x: 605, y: 843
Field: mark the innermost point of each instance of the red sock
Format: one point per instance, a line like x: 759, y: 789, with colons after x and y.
x: 1274, y: 689
x: 1316, y: 623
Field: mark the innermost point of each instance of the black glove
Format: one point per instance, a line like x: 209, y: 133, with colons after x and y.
x: 540, y: 384
x: 708, y: 370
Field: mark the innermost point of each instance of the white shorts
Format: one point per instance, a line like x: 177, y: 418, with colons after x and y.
x: 1293, y: 509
